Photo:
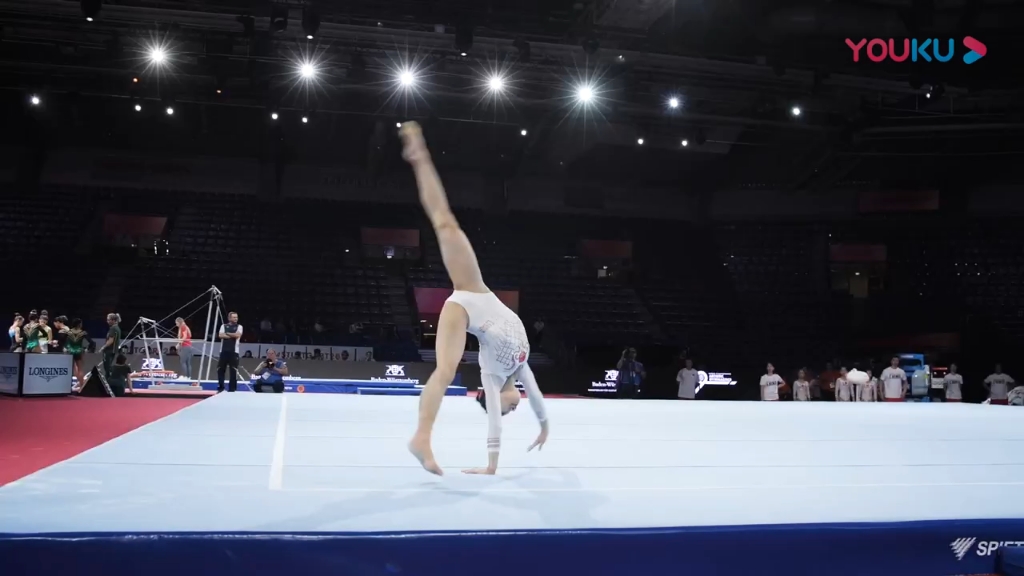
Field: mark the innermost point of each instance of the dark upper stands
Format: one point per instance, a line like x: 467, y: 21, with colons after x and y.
x: 754, y: 291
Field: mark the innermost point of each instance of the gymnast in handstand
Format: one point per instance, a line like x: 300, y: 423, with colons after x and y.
x: 473, y: 308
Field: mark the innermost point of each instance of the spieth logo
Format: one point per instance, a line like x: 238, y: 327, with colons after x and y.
x: 395, y: 370
x: 961, y: 546
x: 47, y: 373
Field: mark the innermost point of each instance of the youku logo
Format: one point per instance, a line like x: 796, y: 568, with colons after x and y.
x: 48, y: 373
x: 395, y: 370
x: 914, y: 49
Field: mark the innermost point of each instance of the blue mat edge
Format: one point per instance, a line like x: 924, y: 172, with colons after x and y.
x: 836, y: 549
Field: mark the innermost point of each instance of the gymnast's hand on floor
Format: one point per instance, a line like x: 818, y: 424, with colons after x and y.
x: 414, y: 148
x: 541, y: 438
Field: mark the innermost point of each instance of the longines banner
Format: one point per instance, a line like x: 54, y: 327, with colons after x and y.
x: 10, y: 370
x: 47, y: 374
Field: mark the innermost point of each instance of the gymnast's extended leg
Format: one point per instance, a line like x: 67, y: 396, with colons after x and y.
x: 464, y: 271
x: 456, y: 251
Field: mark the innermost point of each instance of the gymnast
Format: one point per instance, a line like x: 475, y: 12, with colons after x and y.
x: 473, y: 308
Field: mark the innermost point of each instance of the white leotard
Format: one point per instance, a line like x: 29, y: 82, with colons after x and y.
x: 504, y: 350
x: 504, y: 346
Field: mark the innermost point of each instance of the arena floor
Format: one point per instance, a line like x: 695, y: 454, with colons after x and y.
x: 325, y: 481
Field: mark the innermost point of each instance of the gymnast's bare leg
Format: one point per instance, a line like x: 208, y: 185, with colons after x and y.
x: 464, y: 271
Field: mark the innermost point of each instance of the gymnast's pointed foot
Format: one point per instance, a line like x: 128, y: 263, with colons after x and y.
x: 419, y: 446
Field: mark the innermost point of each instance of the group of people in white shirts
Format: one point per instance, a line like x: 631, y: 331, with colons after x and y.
x: 892, y: 386
x: 857, y: 386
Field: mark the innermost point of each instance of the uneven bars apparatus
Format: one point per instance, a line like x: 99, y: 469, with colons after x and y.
x: 215, y: 299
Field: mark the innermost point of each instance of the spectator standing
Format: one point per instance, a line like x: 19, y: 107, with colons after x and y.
x: 687, y: 379
x: 185, y: 350
x: 827, y: 382
x: 953, y: 384
x: 801, y: 387
x: 271, y: 372
x: 894, y: 381
x: 770, y: 383
x: 630, y: 374
x: 538, y: 332
x: 231, y: 337
x: 998, y: 386
x: 844, y: 388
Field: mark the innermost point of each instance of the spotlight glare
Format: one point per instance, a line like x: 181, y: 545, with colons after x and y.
x: 795, y: 111
x: 170, y: 111
x: 305, y: 119
x: 273, y: 115
x: 138, y: 107
x: 309, y: 36
x: 496, y: 83
x: 673, y: 102
x: 88, y: 19
x: 522, y: 132
x: 463, y: 54
x: 34, y: 100
x: 307, y: 70
x: 398, y: 124
x: 584, y: 94
x: 157, y: 55
x: 640, y: 141
x: 685, y: 142
x: 135, y: 80
x: 406, y: 78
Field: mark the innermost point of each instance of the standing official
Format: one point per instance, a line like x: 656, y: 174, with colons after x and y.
x: 231, y: 336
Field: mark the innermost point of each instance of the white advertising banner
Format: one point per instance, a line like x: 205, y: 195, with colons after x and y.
x: 9, y: 372
x: 47, y: 374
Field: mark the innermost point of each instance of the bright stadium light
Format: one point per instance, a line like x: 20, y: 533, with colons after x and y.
x: 307, y: 70
x: 585, y: 93
x: 685, y: 142
x: 673, y: 102
x: 305, y: 119
x: 640, y: 141
x: 34, y: 100
x: 138, y: 107
x: 795, y: 111
x: 496, y: 83
x: 406, y: 78
x: 157, y: 55
x: 273, y: 115
x: 522, y: 132
x: 169, y: 111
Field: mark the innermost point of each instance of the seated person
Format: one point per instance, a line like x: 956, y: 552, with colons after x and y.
x: 271, y: 372
x: 120, y: 379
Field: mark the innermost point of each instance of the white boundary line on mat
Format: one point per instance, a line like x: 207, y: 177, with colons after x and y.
x: 481, y: 489
x: 277, y: 461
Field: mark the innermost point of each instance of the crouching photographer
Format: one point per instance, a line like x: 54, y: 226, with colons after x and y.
x: 271, y: 372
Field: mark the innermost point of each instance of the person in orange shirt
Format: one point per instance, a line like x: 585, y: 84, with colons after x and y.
x: 827, y: 380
